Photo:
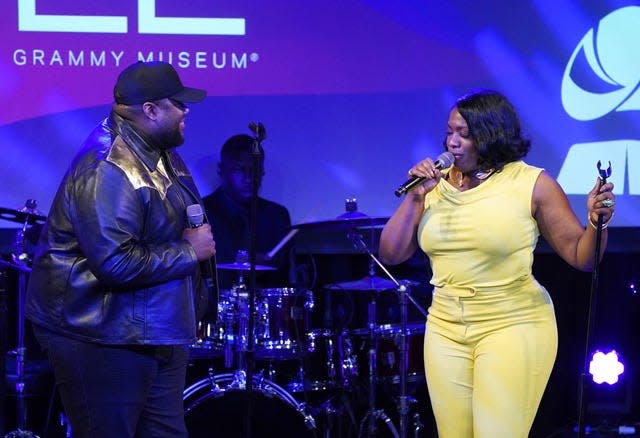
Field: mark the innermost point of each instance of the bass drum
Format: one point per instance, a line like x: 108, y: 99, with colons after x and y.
x: 215, y: 406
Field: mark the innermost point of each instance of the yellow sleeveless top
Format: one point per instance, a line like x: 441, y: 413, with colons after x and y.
x: 483, y: 237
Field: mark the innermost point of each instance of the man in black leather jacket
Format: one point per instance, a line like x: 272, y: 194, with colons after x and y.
x: 117, y: 280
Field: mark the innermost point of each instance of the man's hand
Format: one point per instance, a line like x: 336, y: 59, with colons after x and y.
x: 201, y: 240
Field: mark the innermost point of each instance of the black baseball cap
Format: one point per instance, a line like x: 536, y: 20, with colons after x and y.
x: 150, y: 81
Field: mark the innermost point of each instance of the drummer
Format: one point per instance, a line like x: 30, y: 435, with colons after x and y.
x: 228, y: 209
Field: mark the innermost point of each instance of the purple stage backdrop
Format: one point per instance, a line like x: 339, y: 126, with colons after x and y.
x: 351, y: 93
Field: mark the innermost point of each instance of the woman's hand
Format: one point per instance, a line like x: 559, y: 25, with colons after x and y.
x: 426, y: 169
x: 601, y: 201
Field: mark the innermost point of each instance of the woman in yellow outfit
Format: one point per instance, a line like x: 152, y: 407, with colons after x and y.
x: 491, y: 337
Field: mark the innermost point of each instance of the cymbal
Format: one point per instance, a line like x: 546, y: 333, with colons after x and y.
x: 15, y: 266
x: 243, y: 267
x: 20, y: 216
x: 369, y: 283
x: 344, y: 222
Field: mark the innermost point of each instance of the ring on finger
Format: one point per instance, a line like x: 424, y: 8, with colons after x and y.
x: 608, y: 203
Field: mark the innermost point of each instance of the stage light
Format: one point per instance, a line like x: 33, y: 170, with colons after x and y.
x: 613, y: 398
x: 605, y: 367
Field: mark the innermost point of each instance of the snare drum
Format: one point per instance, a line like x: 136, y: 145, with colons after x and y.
x: 214, y: 406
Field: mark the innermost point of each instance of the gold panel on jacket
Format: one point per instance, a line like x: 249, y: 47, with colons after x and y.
x: 137, y: 173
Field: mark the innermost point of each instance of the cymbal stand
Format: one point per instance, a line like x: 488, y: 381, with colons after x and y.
x: 20, y: 258
x: 238, y: 315
x: 242, y: 366
x: 404, y: 296
x: 374, y: 414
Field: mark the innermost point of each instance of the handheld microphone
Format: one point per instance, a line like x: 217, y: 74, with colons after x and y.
x: 444, y: 161
x: 195, y: 216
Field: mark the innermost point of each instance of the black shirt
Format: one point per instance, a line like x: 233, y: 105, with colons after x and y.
x: 230, y: 223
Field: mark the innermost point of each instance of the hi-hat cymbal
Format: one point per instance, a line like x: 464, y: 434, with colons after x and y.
x: 20, y: 216
x: 369, y: 283
x: 243, y: 267
x: 344, y: 222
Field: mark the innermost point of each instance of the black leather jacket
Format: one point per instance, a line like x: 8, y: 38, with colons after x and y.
x: 111, y: 266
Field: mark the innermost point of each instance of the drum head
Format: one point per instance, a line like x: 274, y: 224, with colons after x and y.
x: 210, y: 413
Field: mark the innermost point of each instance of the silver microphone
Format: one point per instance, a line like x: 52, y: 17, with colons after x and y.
x: 444, y: 161
x: 195, y: 216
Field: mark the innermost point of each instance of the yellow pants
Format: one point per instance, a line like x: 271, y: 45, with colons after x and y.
x: 488, y: 356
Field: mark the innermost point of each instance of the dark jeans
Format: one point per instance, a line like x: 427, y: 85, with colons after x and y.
x: 118, y: 391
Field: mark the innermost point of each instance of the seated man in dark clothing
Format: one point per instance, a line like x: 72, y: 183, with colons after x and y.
x: 228, y: 209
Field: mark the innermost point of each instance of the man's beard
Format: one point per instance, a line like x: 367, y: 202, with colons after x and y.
x: 170, y: 139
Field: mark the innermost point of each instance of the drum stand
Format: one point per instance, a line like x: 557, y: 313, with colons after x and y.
x: 20, y: 259
x: 374, y: 414
x: 236, y: 344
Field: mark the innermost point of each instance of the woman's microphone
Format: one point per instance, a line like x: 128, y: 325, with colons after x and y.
x: 444, y: 161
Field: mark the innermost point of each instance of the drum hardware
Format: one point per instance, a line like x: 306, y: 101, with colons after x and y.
x: 223, y: 385
x: 14, y: 267
x: 328, y: 363
x: 327, y: 236
x: 281, y: 327
x: 230, y: 336
x: 237, y: 339
x: 368, y: 283
x: 345, y: 222
x: 275, y: 315
x: 243, y: 267
x: 282, y: 322
x: 418, y: 426
x: 374, y: 414
x: 388, y: 357
x: 279, y: 333
x: 346, y: 359
x: 304, y: 380
x: 332, y: 410
x: 28, y: 215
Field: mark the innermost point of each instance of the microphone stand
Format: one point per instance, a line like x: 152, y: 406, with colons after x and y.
x: 256, y: 155
x: 593, y: 301
x: 403, y: 400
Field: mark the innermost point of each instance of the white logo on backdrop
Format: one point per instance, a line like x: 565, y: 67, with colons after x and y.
x: 610, y: 53
x: 148, y: 23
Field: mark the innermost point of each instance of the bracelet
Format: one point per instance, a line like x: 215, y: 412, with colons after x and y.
x: 604, y: 225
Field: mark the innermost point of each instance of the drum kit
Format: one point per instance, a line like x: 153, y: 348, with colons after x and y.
x: 310, y: 373
x: 310, y: 379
